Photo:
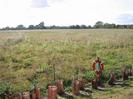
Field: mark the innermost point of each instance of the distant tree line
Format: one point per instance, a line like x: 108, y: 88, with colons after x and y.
x: 22, y: 27
x: 98, y: 25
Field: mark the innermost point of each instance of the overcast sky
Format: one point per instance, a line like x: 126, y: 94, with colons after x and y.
x: 65, y: 12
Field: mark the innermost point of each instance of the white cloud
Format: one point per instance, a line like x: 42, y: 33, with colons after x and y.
x: 39, y: 3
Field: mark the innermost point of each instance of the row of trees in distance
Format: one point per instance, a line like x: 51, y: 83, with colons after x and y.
x: 97, y: 25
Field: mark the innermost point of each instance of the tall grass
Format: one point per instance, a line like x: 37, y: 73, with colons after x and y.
x: 29, y: 58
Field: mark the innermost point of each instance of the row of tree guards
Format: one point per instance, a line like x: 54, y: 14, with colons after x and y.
x: 78, y: 86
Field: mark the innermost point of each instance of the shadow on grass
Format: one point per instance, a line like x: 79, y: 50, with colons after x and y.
x: 82, y: 94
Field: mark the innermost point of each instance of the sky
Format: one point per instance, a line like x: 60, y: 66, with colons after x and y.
x: 65, y: 12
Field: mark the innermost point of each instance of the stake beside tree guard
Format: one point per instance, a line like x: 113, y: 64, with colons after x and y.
x: 125, y: 74
x: 54, y: 71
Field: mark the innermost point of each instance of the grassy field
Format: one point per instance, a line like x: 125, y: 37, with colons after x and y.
x: 27, y: 57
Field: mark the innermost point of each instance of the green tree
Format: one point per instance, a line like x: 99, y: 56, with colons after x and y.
x: 40, y: 25
x: 20, y: 27
x: 31, y: 27
x: 99, y: 24
x: 83, y: 26
x: 108, y: 25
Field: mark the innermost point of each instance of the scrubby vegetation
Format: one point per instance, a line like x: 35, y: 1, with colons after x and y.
x: 27, y: 58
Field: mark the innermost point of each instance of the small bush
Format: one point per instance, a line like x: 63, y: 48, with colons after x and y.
x: 4, y: 87
x: 67, y: 83
x: 89, y: 75
x: 105, y: 76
